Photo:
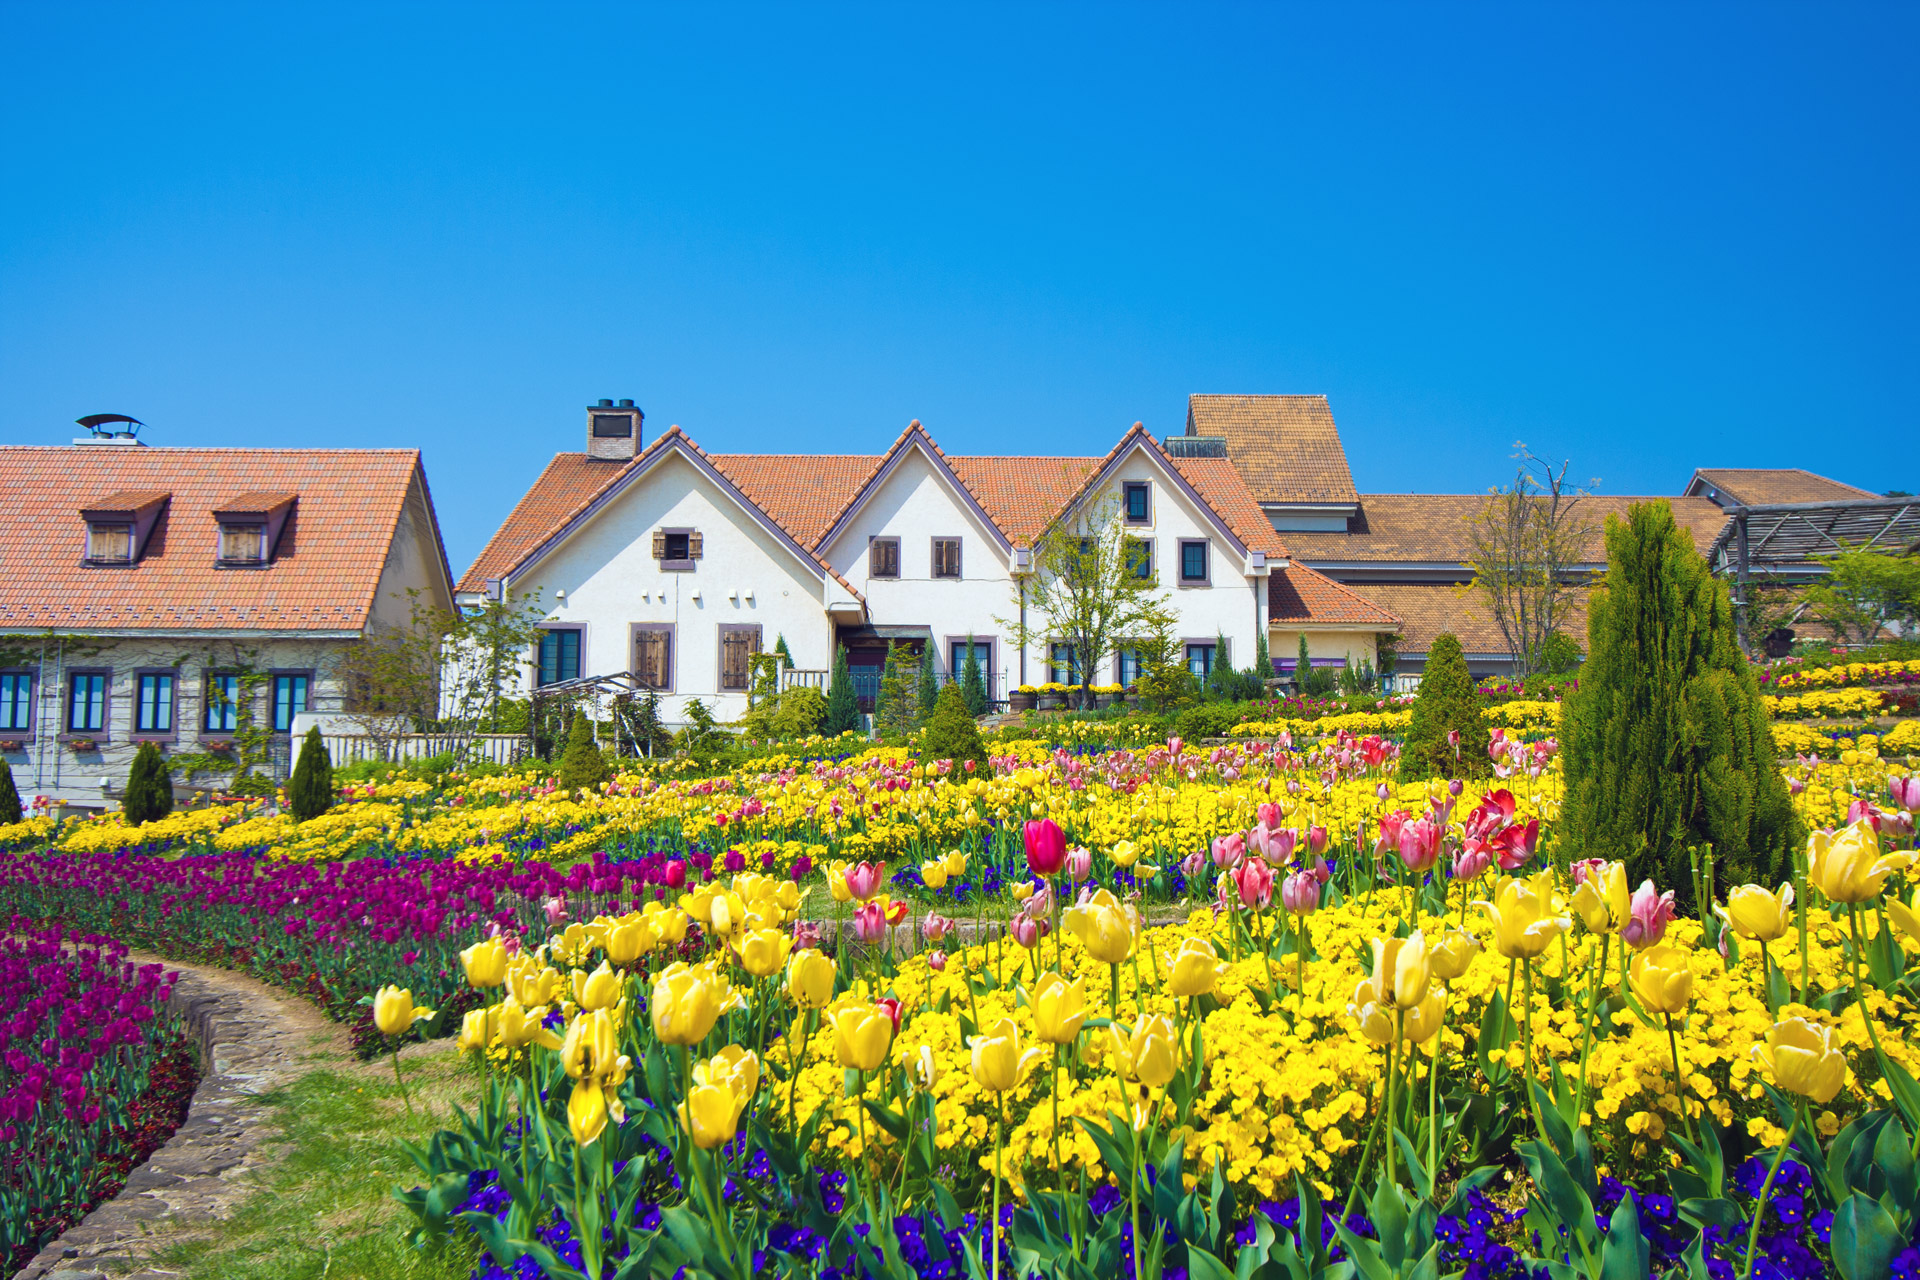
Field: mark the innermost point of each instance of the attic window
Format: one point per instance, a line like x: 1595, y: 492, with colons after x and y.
x: 251, y: 526
x: 242, y: 544
x: 677, y: 549
x: 120, y: 525
x: 109, y: 543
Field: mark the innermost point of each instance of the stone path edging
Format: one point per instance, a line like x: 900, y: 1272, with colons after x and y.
x: 252, y: 1039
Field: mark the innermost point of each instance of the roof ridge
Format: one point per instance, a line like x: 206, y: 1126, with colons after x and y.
x: 1342, y: 588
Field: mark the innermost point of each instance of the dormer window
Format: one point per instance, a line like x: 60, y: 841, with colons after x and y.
x: 120, y: 525
x: 243, y: 544
x: 109, y: 543
x: 251, y: 528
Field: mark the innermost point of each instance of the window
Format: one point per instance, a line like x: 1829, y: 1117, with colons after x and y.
x: 738, y: 644
x: 110, y: 543
x: 243, y: 544
x: 1127, y: 666
x: 652, y: 659
x: 290, y: 699
x: 883, y: 558
x: 1140, y: 558
x: 1200, y: 660
x: 559, y: 656
x: 613, y: 426
x: 982, y: 653
x: 222, y: 713
x: 86, y: 702
x: 1066, y: 664
x: 1137, y: 503
x: 153, y: 703
x: 16, y: 702
x: 1193, y: 562
x: 946, y: 557
x: 677, y: 549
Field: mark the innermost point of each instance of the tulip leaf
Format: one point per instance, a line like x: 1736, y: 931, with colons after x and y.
x: 1624, y: 1255
x: 887, y: 1118
x: 1202, y: 1265
x: 1390, y: 1221
x: 1416, y: 1167
x: 1563, y: 1197
x: 1894, y: 1160
x: 1864, y: 1239
x: 1906, y: 1091
x: 1712, y: 1211
x: 1117, y: 1155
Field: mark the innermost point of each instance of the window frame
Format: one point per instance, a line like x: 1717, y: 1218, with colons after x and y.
x: 273, y: 695
x: 124, y: 527
x: 1120, y: 650
x: 208, y: 704
x: 579, y: 632
x: 1127, y: 489
x: 1206, y: 562
x: 876, y: 542
x: 221, y: 560
x: 680, y: 564
x: 105, y: 676
x: 32, y: 682
x: 721, y: 632
x: 635, y: 630
x: 1189, y: 643
x: 1073, y: 663
x: 1151, y: 576
x: 142, y: 732
x: 933, y: 559
x: 992, y: 645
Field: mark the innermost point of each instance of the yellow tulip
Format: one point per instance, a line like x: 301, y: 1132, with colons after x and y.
x: 485, y: 963
x: 735, y: 1066
x: 1148, y: 1055
x: 1847, y: 865
x: 1754, y: 913
x: 1125, y: 853
x: 1373, y: 1017
x: 763, y: 951
x: 837, y: 882
x: 1603, y: 901
x: 629, y: 939
x: 1523, y: 921
x: 1104, y: 926
x: 998, y: 1060
x: 591, y: 1046
x: 597, y: 990
x: 862, y: 1033
x: 1804, y: 1058
x: 1454, y: 954
x: 957, y: 863
x: 1196, y: 969
x: 531, y: 982
x: 686, y: 1003
x: 1904, y: 918
x: 476, y: 1031
x: 587, y: 1112
x: 671, y: 923
x: 1424, y: 1020
x: 1662, y: 979
x: 518, y: 1026
x: 934, y: 874
x: 1059, y: 1008
x: 394, y: 1011
x: 1402, y: 970
x: 810, y: 978
x: 711, y: 1115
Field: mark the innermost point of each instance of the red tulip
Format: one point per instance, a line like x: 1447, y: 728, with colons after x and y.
x: 1046, y: 847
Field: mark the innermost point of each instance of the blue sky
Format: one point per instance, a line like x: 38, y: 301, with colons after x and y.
x: 1642, y: 239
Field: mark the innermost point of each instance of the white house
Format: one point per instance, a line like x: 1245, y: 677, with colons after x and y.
x: 671, y: 565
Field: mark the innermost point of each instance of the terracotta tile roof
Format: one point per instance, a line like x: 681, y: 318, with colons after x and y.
x: 325, y: 570
x: 1298, y: 594
x: 257, y: 503
x: 1429, y: 608
x: 1753, y: 486
x: 803, y: 492
x: 1432, y: 527
x: 570, y: 482
x: 126, y: 502
x: 1219, y: 483
x: 1023, y: 495
x: 1286, y: 446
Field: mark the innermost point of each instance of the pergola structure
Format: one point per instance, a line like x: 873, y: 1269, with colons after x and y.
x: 1781, y: 539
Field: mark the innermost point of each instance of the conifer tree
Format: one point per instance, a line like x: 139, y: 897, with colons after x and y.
x: 952, y: 735
x: 973, y: 684
x: 1262, y: 659
x: 893, y: 710
x: 843, y: 706
x: 10, y: 806
x: 582, y: 765
x: 786, y: 654
x: 1219, y: 684
x: 149, y: 793
x: 1667, y: 747
x: 310, y: 790
x: 1447, y: 702
x: 926, y: 690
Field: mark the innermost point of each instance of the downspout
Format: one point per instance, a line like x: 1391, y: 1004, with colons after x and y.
x: 1023, y: 631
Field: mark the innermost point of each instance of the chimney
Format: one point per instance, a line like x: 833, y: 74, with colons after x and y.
x: 613, y: 430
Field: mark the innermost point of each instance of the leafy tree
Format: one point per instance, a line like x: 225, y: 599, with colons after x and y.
x: 952, y: 734
x: 1525, y: 547
x: 843, y: 705
x: 10, y: 806
x: 1559, y: 656
x: 310, y: 790
x: 582, y: 765
x: 149, y: 793
x: 1447, y: 702
x: 973, y: 683
x: 1864, y: 594
x: 482, y: 649
x: 926, y: 690
x: 1667, y: 746
x: 644, y: 728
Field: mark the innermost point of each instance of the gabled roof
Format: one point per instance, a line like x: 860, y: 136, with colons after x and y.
x: 914, y: 438
x: 1286, y: 447
x: 325, y: 569
x: 804, y: 492
x: 1432, y: 528
x: 1756, y: 486
x: 1297, y: 594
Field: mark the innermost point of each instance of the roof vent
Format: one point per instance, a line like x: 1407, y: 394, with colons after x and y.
x: 1193, y: 446
x: 109, y: 428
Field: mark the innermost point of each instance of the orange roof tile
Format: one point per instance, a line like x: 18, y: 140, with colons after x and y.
x: 1218, y: 482
x: 1432, y: 528
x: 802, y: 492
x: 1286, y: 446
x: 1756, y: 486
x: 1429, y: 608
x: 569, y: 482
x: 1298, y: 594
x: 325, y: 570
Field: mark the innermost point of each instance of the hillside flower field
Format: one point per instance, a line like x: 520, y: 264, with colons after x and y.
x: 1249, y: 1009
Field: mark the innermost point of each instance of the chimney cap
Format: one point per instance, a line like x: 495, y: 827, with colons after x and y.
x: 604, y: 404
x: 626, y: 404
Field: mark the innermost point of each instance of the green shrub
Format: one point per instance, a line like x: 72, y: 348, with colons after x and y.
x: 1208, y: 720
x: 973, y: 683
x: 1667, y: 746
x: 10, y: 806
x: 1559, y: 655
x: 952, y: 735
x: 310, y: 790
x: 582, y: 765
x: 843, y: 707
x: 1447, y: 702
x: 802, y: 711
x: 149, y: 794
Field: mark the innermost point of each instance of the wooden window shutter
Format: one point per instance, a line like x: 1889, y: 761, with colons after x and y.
x: 693, y: 546
x: 659, y: 544
x: 733, y: 660
x: 650, y: 658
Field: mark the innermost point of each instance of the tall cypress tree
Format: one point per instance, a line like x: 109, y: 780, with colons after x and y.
x: 1262, y: 659
x: 926, y: 690
x: 973, y: 683
x: 10, y: 807
x: 1446, y: 702
x: 149, y: 793
x: 1667, y: 746
x: 843, y: 706
x: 310, y: 790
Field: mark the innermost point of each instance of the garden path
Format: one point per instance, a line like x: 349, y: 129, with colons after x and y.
x: 252, y: 1040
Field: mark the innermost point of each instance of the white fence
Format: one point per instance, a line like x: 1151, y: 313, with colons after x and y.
x: 494, y: 748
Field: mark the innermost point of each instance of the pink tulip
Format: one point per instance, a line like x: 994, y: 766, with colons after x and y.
x: 863, y: 879
x: 1648, y: 922
x: 1861, y: 811
x: 556, y: 909
x: 1046, y: 847
x: 1317, y: 840
x: 1419, y: 845
x: 937, y: 927
x: 1453, y: 739
x: 1515, y: 844
x: 869, y: 922
x: 676, y: 874
x: 1795, y: 786
x: 1473, y: 861
x: 1173, y: 746
x: 1455, y: 787
x: 1300, y: 892
x: 1193, y: 864
x: 1028, y: 931
x: 1586, y: 867
x: 1228, y: 850
x: 1079, y: 864
x: 1254, y: 879
x: 1268, y: 815
x: 938, y: 960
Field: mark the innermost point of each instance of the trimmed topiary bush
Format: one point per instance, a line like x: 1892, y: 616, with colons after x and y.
x: 1666, y: 742
x: 973, y: 683
x: 310, y: 790
x: 800, y: 713
x: 1446, y: 703
x: 149, y: 794
x: 582, y: 765
x: 843, y: 707
x: 952, y: 734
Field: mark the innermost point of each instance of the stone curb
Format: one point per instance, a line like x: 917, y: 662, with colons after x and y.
x: 251, y: 1040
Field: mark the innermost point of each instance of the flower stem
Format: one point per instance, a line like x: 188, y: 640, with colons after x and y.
x: 1679, y: 1080
x: 1766, y: 1189
x: 398, y: 1081
x: 1595, y: 972
x: 999, y: 1138
x: 1526, y: 1035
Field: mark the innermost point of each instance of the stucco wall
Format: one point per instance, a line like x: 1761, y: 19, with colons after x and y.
x: 1352, y: 646
x: 413, y: 565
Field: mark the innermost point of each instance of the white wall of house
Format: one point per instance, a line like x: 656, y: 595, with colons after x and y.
x: 604, y: 581
x: 413, y: 565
